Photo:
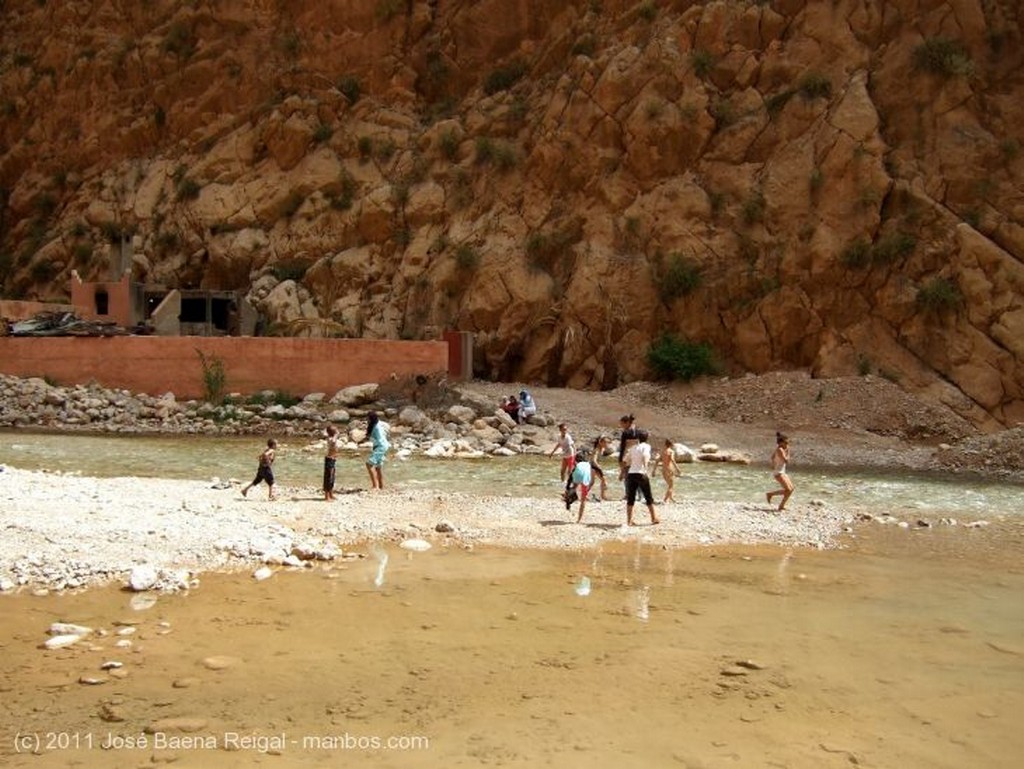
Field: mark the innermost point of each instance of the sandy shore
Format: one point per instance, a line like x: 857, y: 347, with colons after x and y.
x: 70, y: 531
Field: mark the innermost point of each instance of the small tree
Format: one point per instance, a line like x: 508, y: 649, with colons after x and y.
x: 214, y: 378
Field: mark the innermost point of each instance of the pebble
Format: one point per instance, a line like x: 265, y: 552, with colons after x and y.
x: 184, y: 724
x: 220, y: 662
x: 66, y: 628
x: 60, y: 641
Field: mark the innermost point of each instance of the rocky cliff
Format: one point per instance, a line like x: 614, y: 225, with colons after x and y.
x: 835, y: 186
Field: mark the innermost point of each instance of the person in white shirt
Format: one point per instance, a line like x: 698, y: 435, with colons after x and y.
x: 636, y: 478
x: 568, y: 447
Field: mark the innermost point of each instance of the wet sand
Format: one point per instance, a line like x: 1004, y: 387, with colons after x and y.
x: 901, y: 649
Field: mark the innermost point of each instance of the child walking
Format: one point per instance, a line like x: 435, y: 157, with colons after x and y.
x: 378, y: 433
x: 568, y: 447
x: 669, y: 469
x: 265, y: 470
x: 330, y: 462
x: 780, y: 458
x: 639, y: 457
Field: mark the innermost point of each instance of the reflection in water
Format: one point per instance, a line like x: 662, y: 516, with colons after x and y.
x: 382, y: 564
x: 904, y: 652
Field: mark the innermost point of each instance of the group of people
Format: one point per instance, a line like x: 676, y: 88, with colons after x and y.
x: 376, y: 431
x: 580, y: 468
x: 519, y: 408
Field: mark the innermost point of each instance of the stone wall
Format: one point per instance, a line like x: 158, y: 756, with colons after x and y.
x: 157, y: 365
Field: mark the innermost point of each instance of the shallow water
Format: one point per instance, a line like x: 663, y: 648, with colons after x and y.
x: 299, y: 465
x: 902, y: 650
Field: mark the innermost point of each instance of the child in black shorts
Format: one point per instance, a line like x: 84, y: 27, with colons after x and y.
x: 265, y: 471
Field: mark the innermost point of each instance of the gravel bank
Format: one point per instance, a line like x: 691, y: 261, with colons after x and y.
x: 70, y: 531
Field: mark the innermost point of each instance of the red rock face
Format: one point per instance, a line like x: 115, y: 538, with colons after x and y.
x: 801, y: 185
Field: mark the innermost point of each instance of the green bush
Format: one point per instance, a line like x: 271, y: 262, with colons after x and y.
x: 187, y: 189
x: 814, y: 85
x: 585, y: 46
x: 365, y: 146
x: 753, y: 208
x: 350, y: 88
x: 939, y: 295
x: 724, y: 113
x: 775, y: 103
x: 448, y: 143
x: 671, y: 357
x: 291, y: 269
x: 503, y: 78
x: 342, y: 200
x: 886, y: 250
x: 944, y: 57
x: 702, y: 61
x: 292, y: 204
x: 179, y: 40
x: 466, y: 257
x: 500, y: 153
x: 856, y: 254
x: 682, y: 276
x: 892, y: 246
x: 322, y: 133
x: 214, y: 377
x: 544, y: 249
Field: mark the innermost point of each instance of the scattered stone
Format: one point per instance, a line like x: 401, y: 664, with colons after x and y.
x: 111, y: 665
x: 444, y: 527
x: 143, y: 577
x: 415, y: 545
x: 66, y: 628
x: 93, y: 680
x: 220, y: 662
x: 111, y: 713
x: 751, y: 665
x: 60, y: 641
x: 262, y: 573
x: 182, y: 724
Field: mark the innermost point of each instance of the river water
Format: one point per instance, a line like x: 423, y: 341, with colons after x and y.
x: 902, y: 648
x: 299, y: 464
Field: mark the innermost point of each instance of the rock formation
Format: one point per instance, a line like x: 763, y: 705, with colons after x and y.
x: 833, y: 186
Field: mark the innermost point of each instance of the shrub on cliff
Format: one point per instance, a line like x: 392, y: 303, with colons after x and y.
x: 944, y: 57
x: 671, y: 357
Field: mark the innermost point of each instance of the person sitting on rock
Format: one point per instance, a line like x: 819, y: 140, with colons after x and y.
x: 527, y: 406
x: 510, y: 406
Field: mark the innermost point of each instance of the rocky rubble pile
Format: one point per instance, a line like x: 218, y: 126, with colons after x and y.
x: 999, y: 454
x: 795, y: 399
x: 457, y: 426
